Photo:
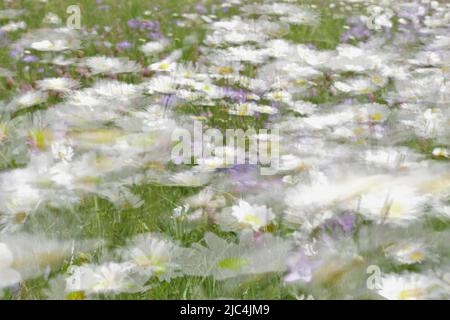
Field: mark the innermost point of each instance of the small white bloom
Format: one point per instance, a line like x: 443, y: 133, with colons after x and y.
x: 57, y: 84
x: 13, y: 26
x: 47, y: 45
x: 52, y: 18
x: 8, y: 276
x: 29, y: 99
x: 410, y: 287
x: 108, y: 278
x: 254, y: 216
x: 163, y: 66
x: 408, y: 253
x: 62, y: 152
x: 441, y: 152
x: 153, y: 47
x: 108, y: 65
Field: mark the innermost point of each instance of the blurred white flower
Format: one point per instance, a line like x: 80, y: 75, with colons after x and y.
x: 256, y: 217
x: 57, y: 84
x: 62, y: 152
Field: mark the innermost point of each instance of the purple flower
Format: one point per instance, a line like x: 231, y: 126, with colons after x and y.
x: 30, y: 58
x: 149, y: 25
x: 124, y: 45
x: 16, y: 53
x: 238, y: 95
x: 133, y: 23
x: 347, y: 222
x: 348, y: 101
x: 155, y: 35
x: 200, y: 8
x: 140, y: 24
x: 357, y: 31
x: 342, y: 225
x: 300, y: 267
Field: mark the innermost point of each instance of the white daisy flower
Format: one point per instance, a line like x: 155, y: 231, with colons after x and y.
x: 303, y: 107
x: 62, y: 152
x: 117, y: 90
x: 356, y: 86
x: 52, y: 18
x: 8, y: 276
x: 50, y: 45
x: 280, y: 96
x: 153, y: 47
x: 191, y: 178
x: 62, y: 61
x: 245, y: 54
x: 13, y: 26
x: 410, y: 286
x: 162, y: 84
x: 408, y: 252
x: 265, y: 109
x: 151, y: 255
x: 164, y: 66
x: 57, y: 84
x: 211, y: 163
x: 256, y: 217
x: 397, y: 204
x: 441, y: 152
x: 28, y: 99
x: 111, y: 65
x: 16, y: 206
x: 110, y: 277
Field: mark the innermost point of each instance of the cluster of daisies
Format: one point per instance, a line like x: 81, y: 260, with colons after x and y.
x: 363, y: 179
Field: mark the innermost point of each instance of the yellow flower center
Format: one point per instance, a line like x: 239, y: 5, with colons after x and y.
x: 411, y: 293
x: 41, y: 138
x: 252, y: 219
x: 417, y: 256
x: 225, y: 70
x: 159, y: 263
x: 366, y: 90
x: 76, y: 295
x: 377, y: 80
x: 376, y: 116
x: 395, y: 209
x: 164, y: 66
x: 20, y: 217
x: 278, y: 95
x: 233, y: 264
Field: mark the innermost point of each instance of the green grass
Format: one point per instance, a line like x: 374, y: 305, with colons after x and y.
x: 96, y: 218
